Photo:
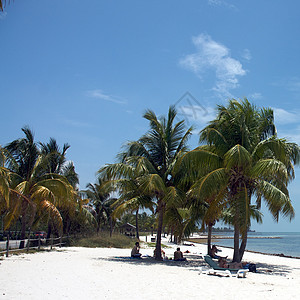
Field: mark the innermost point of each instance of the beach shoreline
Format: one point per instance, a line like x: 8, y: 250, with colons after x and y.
x: 251, y: 251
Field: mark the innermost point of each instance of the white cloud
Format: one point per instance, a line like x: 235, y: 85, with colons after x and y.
x: 247, y: 54
x: 282, y: 116
x: 292, y: 135
x: 254, y: 96
x: 214, y: 56
x: 197, y: 114
x: 288, y: 124
x: 221, y: 3
x: 214, y: 2
x: 293, y: 84
x: 99, y: 94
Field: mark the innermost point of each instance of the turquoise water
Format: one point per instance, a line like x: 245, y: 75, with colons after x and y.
x: 288, y: 243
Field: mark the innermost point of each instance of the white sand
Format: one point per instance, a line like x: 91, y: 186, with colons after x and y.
x: 102, y: 273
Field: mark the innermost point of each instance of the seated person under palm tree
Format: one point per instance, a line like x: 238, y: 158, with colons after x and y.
x: 135, y: 252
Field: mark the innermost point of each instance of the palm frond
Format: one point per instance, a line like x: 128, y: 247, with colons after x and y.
x: 89, y: 214
x: 209, y: 185
x: 276, y: 201
x: 48, y: 207
x: 116, y: 171
x: 237, y: 156
x: 4, y: 184
x: 268, y: 168
x: 174, y: 197
x: 152, y: 184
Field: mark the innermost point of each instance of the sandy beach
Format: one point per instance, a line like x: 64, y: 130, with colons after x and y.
x: 108, y: 273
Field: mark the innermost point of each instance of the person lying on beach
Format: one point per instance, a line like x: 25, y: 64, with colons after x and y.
x: 187, y: 244
x: 135, y: 252
x: 223, y: 263
x: 178, y: 255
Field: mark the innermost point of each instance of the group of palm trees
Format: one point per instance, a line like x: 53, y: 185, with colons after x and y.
x: 37, y: 184
x: 240, y: 163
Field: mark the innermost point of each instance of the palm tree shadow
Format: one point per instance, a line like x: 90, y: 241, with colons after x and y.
x: 273, y: 269
x: 193, y: 262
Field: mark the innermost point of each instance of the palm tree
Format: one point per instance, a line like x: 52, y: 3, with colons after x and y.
x: 100, y: 202
x: 243, y: 159
x: 33, y: 191
x: 125, y: 178
x: 56, y: 161
x: 160, y: 148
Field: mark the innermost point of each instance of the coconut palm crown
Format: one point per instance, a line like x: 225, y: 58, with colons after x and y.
x: 242, y: 158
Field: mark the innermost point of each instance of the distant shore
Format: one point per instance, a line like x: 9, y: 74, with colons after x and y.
x: 222, y: 237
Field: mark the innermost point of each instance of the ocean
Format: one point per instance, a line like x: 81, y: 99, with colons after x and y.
x: 287, y: 243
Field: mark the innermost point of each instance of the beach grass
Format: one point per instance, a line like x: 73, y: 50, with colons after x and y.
x: 151, y: 244
x: 104, y: 240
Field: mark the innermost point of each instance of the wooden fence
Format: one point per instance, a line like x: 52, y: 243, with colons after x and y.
x: 37, y: 244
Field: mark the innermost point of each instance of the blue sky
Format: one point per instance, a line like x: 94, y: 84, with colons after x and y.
x: 84, y: 73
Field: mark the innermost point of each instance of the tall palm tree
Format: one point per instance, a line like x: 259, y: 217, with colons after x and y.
x: 160, y: 148
x: 244, y: 159
x: 56, y: 163
x: 33, y: 190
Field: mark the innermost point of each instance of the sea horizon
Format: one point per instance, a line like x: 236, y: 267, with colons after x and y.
x: 278, y: 243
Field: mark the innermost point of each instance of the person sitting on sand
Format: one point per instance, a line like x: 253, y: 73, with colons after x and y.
x: 178, y: 255
x: 135, y: 252
x: 163, y: 254
x: 214, y: 251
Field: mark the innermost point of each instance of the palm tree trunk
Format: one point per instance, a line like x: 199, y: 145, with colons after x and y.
x: 49, y: 231
x: 245, y: 234
x: 98, y: 224
x: 23, y: 231
x: 137, y: 224
x: 236, y: 252
x: 68, y: 226
x: 209, y: 231
x: 110, y: 226
x: 159, y: 231
x: 175, y: 239
x: 243, y: 245
x: 23, y: 224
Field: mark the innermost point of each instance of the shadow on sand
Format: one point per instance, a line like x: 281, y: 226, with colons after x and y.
x: 273, y: 269
x: 195, y: 261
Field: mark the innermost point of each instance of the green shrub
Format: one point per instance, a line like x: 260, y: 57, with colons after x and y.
x: 103, y: 240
